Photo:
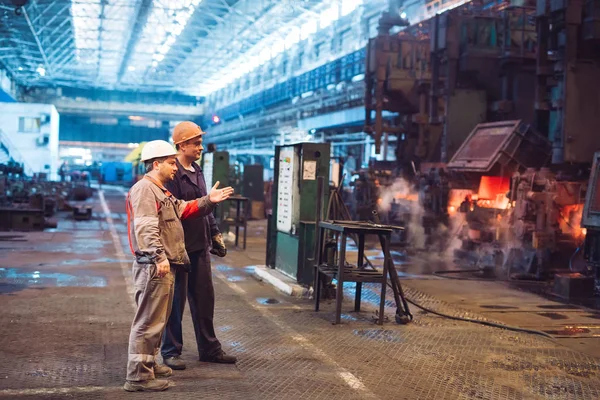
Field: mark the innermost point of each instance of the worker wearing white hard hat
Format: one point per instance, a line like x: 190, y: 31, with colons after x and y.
x: 157, y: 242
x: 202, y: 238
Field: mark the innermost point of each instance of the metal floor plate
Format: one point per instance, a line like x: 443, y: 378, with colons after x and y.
x: 65, y: 342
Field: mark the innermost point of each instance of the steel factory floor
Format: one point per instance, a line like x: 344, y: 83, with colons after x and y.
x: 66, y: 310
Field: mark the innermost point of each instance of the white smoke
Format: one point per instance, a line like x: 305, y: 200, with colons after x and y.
x: 405, y: 195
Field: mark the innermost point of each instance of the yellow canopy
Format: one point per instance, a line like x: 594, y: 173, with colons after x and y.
x: 136, y: 154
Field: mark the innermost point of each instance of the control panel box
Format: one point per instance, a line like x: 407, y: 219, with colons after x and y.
x: 287, y: 190
x: 292, y: 230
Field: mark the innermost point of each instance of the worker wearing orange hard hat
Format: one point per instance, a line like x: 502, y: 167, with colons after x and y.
x: 155, y: 239
x: 202, y: 237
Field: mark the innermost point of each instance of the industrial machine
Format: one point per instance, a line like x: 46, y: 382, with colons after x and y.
x: 116, y: 172
x: 590, y: 222
x: 514, y: 74
x: 27, y: 203
x: 291, y: 229
x: 520, y: 217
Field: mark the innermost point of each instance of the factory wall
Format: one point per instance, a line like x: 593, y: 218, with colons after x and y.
x: 111, y: 130
x: 30, y: 134
x: 8, y: 88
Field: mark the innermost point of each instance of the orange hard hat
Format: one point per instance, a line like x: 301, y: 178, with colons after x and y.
x: 185, y: 131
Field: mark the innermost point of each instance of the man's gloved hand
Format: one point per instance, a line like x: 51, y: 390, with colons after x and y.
x: 218, y: 246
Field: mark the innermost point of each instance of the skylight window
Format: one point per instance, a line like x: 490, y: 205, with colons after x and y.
x: 328, y: 16
x: 100, y: 30
x: 348, y: 6
x: 286, y: 38
x: 292, y: 38
x: 277, y: 48
x: 308, y: 29
x: 167, y: 20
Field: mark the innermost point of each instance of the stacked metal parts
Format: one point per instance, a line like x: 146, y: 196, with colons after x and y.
x: 515, y: 74
x: 28, y: 203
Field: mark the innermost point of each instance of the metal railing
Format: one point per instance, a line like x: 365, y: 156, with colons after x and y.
x: 14, y: 153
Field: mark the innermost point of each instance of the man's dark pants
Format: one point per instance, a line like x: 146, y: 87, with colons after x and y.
x: 201, y: 295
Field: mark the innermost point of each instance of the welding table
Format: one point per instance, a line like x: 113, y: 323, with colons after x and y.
x: 240, y: 220
x: 350, y: 273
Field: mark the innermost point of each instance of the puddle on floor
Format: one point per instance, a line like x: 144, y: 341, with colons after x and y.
x: 267, y: 301
x: 237, y: 347
x: 381, y: 335
x: 558, y: 307
x: 98, y: 260
x: 223, y: 268
x: 49, y: 279
x: 235, y: 278
x: 226, y: 328
x: 349, y: 317
x: 552, y: 315
x: 250, y: 269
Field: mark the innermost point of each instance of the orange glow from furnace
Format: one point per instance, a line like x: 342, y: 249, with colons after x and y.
x: 570, y: 220
x: 492, y: 192
x: 406, y: 196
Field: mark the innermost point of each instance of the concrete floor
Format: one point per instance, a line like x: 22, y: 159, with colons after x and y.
x: 66, y: 310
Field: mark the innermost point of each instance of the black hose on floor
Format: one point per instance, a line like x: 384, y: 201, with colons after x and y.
x: 444, y: 273
x: 486, y: 323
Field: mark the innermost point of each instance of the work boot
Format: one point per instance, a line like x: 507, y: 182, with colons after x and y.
x: 154, y: 385
x: 162, y: 371
x: 219, y: 358
x: 174, y: 362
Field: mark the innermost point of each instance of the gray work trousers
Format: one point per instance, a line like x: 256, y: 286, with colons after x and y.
x: 153, y: 299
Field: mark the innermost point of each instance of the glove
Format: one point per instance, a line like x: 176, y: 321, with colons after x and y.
x: 218, y: 246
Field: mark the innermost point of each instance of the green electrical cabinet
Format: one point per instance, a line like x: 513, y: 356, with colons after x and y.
x: 292, y: 225
x: 215, y: 167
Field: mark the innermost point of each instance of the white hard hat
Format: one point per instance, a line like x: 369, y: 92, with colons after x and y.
x: 156, y: 149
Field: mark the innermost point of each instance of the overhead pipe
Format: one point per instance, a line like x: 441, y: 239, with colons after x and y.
x: 58, y: 14
x: 37, y: 40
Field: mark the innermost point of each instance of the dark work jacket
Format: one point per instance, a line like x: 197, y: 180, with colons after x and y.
x: 198, y: 230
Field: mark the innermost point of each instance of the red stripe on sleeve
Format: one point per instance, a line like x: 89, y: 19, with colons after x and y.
x: 191, y: 210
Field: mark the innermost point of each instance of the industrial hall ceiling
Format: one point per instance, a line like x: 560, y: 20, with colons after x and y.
x: 187, y: 46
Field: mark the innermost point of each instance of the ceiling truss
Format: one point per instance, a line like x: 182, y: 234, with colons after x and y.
x: 142, y: 45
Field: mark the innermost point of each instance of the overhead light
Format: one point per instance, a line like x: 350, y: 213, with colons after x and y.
x: 216, y: 119
x: 166, y: 21
x: 328, y: 16
x: 135, y: 118
x: 403, y: 15
x: 41, y: 70
x: 348, y: 6
x: 20, y: 68
x: 131, y: 68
